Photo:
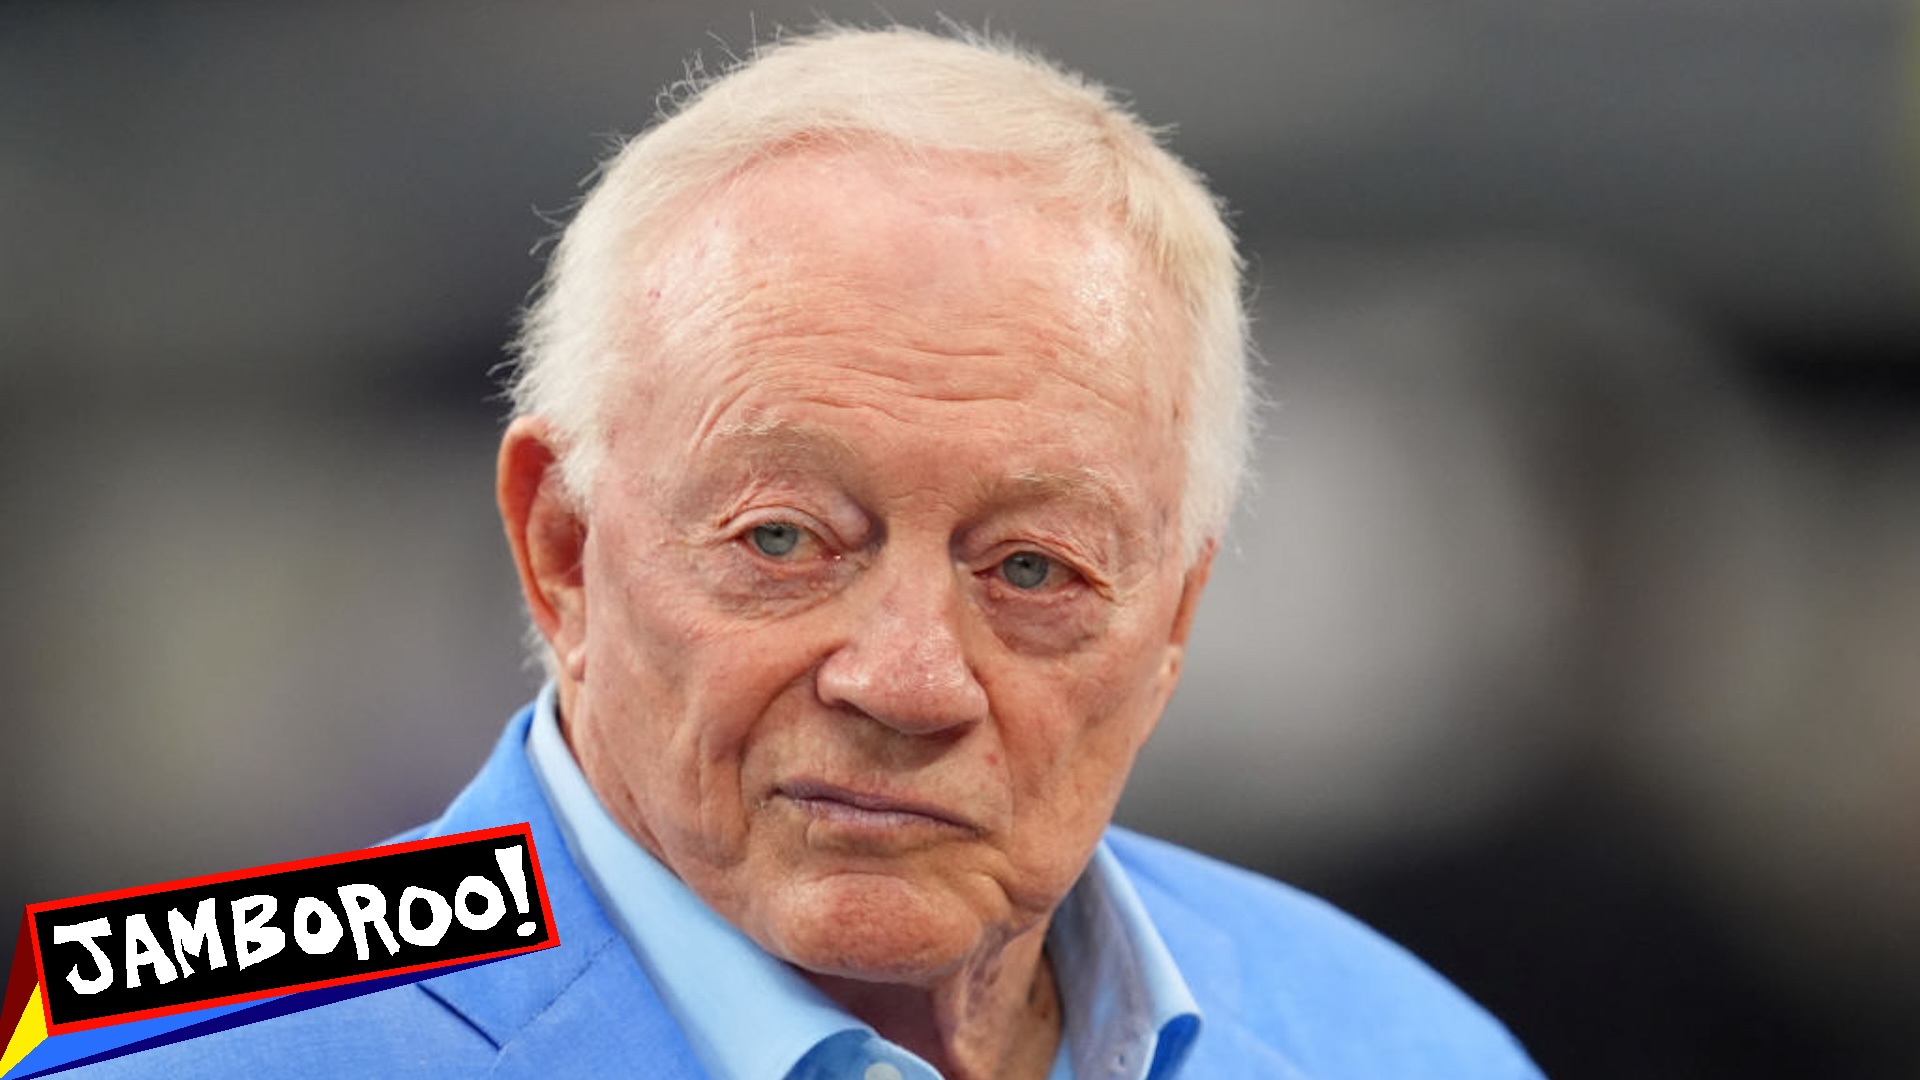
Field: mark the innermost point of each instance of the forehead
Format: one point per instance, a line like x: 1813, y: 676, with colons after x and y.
x: 933, y: 289
x: 962, y: 240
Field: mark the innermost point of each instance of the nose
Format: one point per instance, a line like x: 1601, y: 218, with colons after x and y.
x: 904, y: 663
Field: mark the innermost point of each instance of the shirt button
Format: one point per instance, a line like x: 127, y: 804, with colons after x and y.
x: 883, y: 1070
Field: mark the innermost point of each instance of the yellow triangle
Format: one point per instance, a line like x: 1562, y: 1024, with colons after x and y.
x: 30, y: 1032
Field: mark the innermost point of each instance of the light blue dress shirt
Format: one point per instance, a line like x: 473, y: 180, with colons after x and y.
x: 1128, y: 1014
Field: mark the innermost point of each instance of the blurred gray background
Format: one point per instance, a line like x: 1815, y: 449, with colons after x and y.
x: 1572, y: 635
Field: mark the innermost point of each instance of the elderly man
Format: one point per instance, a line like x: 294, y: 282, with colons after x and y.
x: 873, y: 433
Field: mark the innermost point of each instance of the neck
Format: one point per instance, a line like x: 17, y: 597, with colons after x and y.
x: 997, y: 1018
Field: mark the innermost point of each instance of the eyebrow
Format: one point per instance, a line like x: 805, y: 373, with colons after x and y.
x: 755, y: 435
x: 762, y: 445
x: 756, y: 439
x: 1079, y: 484
x: 1095, y: 498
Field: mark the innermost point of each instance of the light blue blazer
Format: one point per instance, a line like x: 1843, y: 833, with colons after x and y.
x: 1289, y: 988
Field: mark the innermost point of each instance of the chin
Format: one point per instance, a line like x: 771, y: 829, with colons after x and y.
x: 874, y: 928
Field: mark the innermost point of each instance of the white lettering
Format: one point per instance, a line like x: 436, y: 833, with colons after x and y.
x: 441, y: 916
x: 144, y: 949
x: 253, y: 939
x: 366, y: 905
x: 315, y: 942
x: 190, y: 939
x: 496, y: 908
x: 84, y: 933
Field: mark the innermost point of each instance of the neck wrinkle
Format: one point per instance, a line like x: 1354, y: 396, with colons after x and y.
x: 999, y: 1018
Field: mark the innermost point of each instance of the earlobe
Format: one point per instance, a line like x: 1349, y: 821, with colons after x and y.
x: 548, y: 535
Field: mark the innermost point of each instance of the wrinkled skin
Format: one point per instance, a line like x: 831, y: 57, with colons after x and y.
x: 881, y: 588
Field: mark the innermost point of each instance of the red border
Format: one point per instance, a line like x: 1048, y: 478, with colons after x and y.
x: 524, y: 830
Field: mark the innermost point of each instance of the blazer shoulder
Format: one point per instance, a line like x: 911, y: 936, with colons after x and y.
x: 1241, y: 903
x: 1278, y: 965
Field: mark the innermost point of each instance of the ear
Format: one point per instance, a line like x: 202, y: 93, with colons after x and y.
x: 1191, y: 586
x: 1190, y: 590
x: 548, y: 535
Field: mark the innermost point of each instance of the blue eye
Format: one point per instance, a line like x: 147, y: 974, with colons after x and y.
x: 775, y: 539
x: 1026, y: 569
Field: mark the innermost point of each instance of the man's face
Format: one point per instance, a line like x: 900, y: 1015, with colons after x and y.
x: 882, y: 586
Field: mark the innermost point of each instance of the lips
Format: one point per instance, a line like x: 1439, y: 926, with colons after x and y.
x: 867, y: 809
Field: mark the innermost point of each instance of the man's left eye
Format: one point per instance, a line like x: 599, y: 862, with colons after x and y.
x: 776, y: 539
x: 1026, y: 569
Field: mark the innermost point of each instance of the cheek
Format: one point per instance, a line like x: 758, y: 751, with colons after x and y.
x: 705, y: 685
x: 666, y: 709
x: 1071, y: 729
x: 1068, y: 753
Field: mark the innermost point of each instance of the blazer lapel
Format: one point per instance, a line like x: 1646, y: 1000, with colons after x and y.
x: 582, y: 1008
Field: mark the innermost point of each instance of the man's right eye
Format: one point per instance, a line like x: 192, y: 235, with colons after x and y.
x: 776, y: 539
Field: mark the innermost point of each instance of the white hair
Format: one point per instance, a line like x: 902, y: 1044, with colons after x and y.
x: 922, y: 93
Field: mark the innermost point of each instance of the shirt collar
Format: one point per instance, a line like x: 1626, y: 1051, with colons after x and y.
x: 1128, y: 1011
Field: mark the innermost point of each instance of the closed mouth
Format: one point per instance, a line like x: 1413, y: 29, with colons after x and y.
x: 851, y: 806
